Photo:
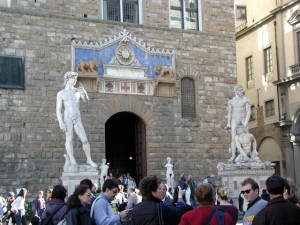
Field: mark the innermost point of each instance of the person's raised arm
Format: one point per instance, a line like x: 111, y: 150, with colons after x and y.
x: 228, y: 126
x: 83, y: 94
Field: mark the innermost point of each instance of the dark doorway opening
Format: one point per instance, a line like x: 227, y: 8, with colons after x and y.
x: 125, y: 145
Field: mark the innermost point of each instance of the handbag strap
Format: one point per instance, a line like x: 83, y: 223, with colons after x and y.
x: 220, y: 217
x: 50, y: 215
x: 207, y: 221
x: 160, y: 216
x: 55, y: 211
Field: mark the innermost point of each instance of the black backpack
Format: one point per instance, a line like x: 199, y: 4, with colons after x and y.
x: 48, y: 219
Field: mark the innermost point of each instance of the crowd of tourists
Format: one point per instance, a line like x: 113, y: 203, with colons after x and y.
x: 153, y: 203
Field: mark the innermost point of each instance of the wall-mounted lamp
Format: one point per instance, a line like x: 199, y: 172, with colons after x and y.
x: 283, y: 117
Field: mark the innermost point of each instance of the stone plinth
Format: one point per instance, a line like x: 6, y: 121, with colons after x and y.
x: 72, y: 177
x: 232, y: 175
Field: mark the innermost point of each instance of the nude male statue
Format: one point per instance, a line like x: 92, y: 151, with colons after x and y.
x: 169, y: 173
x: 104, y: 169
x: 70, y: 121
x: 246, y: 145
x: 239, y: 112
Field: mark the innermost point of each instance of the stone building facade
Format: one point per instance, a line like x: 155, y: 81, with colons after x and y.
x: 269, y: 71
x: 46, y: 34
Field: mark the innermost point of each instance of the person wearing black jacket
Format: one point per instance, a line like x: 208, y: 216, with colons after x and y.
x: 79, y: 206
x: 192, y: 185
x: 152, y: 211
x: 278, y: 211
x: 56, y: 208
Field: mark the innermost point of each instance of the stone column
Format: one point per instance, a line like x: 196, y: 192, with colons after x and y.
x: 288, y: 149
x: 295, y: 139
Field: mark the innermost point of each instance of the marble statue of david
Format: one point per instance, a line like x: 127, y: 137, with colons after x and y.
x: 70, y: 121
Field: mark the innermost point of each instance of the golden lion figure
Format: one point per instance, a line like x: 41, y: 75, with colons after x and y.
x: 162, y: 71
x: 89, y: 66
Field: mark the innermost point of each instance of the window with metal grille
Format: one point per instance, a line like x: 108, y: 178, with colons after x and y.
x: 184, y: 14
x: 12, y: 72
x: 241, y: 12
x: 269, y: 106
x: 188, y: 101
x: 249, y: 68
x: 268, y: 60
x: 121, y: 10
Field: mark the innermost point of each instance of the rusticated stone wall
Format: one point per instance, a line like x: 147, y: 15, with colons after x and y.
x: 31, y: 144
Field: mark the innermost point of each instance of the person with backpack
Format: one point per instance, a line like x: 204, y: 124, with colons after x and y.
x: 205, y: 213
x: 79, y: 206
x: 225, y: 205
x: 56, y: 208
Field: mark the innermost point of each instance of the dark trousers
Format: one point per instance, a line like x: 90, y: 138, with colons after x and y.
x: 20, y: 218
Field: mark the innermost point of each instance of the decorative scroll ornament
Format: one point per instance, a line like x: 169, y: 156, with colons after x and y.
x: 125, y: 54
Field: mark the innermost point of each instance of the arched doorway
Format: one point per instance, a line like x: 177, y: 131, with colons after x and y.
x: 125, y: 145
x: 269, y: 150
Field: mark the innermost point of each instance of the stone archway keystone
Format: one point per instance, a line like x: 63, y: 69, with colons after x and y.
x: 126, y: 104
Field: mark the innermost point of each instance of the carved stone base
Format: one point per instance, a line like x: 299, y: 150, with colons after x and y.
x: 166, y: 88
x: 77, y: 173
x: 233, y: 177
x: 89, y: 82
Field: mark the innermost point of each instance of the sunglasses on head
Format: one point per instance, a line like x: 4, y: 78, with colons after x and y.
x: 246, y: 191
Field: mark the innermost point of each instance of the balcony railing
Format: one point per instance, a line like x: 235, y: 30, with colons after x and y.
x: 295, y: 69
x: 241, y: 27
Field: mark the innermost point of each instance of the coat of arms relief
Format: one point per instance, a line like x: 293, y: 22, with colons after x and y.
x: 123, y: 64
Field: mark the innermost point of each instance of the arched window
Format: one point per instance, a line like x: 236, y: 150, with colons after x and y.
x: 188, y: 101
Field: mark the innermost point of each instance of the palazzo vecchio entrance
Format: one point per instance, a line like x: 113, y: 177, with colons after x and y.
x: 125, y: 141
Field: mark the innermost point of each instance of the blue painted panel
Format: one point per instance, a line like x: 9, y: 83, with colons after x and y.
x: 105, y: 55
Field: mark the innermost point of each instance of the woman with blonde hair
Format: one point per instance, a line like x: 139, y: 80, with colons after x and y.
x: 225, y: 205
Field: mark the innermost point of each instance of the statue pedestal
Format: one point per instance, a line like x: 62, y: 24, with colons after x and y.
x: 232, y: 175
x: 72, y: 176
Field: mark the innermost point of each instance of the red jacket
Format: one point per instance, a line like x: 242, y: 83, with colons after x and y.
x: 198, y: 216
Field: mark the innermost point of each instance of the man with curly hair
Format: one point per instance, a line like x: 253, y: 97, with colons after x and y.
x: 152, y: 211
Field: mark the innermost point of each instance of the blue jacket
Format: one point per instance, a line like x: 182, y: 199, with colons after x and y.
x: 102, y: 212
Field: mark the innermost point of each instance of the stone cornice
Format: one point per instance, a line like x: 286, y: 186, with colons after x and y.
x: 264, y: 20
x: 44, y: 13
x: 246, y: 172
x: 256, y: 25
x: 284, y: 6
x: 287, y: 80
x: 123, y: 35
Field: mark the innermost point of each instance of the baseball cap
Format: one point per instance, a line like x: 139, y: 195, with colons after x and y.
x: 10, y: 194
